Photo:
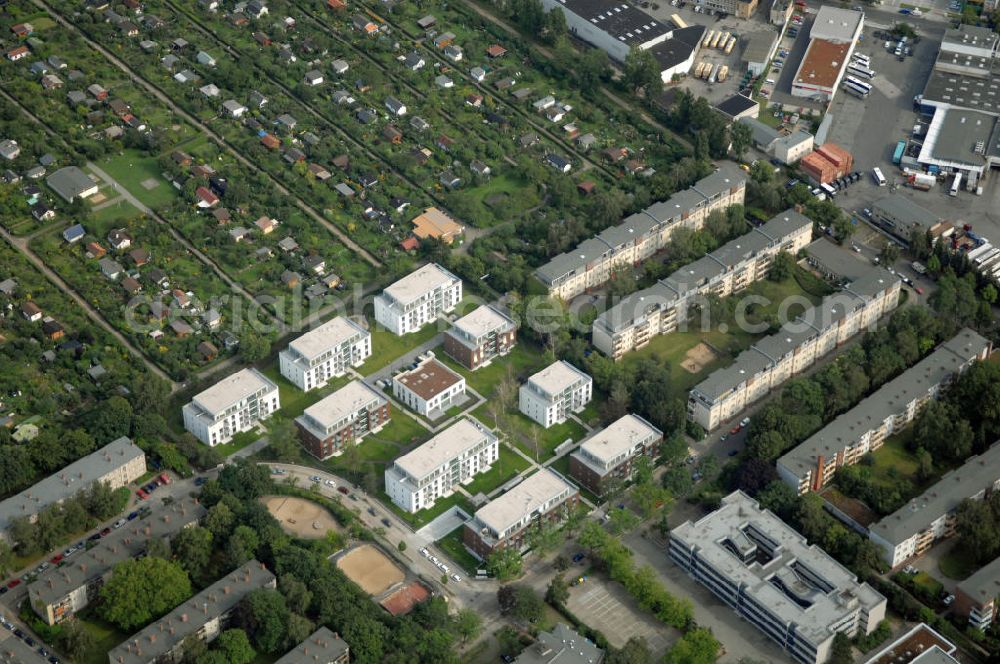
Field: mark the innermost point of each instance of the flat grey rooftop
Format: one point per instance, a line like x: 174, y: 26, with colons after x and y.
x: 622, y: 21
x: 69, y: 481
x: 888, y: 400
x: 955, y: 137
x: 457, y: 439
x: 231, y: 390
x: 984, y: 585
x: 901, y: 208
x: 836, y: 259
x: 529, y: 496
x: 328, y: 335
x: 420, y: 282
x: 321, y: 647
x: 975, y: 475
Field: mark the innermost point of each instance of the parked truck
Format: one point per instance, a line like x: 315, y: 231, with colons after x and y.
x: 730, y: 45
x: 922, y: 181
x: 723, y: 73
x: 708, y: 38
x: 897, y: 156
x: 724, y: 39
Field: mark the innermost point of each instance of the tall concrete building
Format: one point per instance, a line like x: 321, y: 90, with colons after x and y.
x: 797, y: 346
x: 233, y: 405
x: 915, y: 527
x: 455, y: 456
x: 661, y: 308
x: 793, y: 592
x: 116, y: 464
x: 593, y: 262
x: 418, y: 299
x: 863, y: 429
x: 326, y: 352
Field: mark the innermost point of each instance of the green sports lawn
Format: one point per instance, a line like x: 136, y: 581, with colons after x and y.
x: 131, y: 169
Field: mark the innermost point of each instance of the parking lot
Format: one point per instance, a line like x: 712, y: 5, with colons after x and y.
x: 606, y: 607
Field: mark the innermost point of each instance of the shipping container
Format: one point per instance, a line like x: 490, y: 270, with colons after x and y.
x: 898, y: 154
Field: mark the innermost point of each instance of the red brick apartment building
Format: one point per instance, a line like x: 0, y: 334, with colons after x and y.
x: 342, y: 418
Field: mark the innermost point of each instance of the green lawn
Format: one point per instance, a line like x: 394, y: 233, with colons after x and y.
x: 381, y: 448
x: 238, y: 442
x: 121, y: 209
x: 928, y: 583
x: 106, y: 637
x: 508, y: 465
x: 293, y: 400
x: 132, y: 169
x: 893, y: 454
x: 561, y: 465
x: 423, y: 517
x: 387, y: 347
x: 523, y: 431
x: 452, y: 545
x: 522, y: 361
x: 957, y: 564
x: 501, y: 198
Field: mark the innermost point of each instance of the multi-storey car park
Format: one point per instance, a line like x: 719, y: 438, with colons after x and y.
x: 916, y: 526
x: 661, y: 308
x: 863, y: 429
x: 551, y: 395
x: 61, y: 592
x: 417, y: 299
x: 455, y: 456
x: 797, y: 346
x: 543, y: 498
x: 476, y: 338
x: 203, y: 617
x: 608, y: 456
x: 340, y: 419
x: 793, y: 592
x: 639, y: 236
x: 326, y: 352
x: 234, y: 404
x: 116, y: 464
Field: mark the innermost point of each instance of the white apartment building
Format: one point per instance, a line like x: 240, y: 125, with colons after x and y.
x: 549, y: 396
x: 234, y: 404
x: 417, y: 299
x: 793, y: 592
x: 430, y: 389
x: 455, y: 456
x: 592, y: 263
x: 797, y: 346
x: 915, y: 527
x: 811, y: 465
x: 326, y: 352
x: 661, y: 308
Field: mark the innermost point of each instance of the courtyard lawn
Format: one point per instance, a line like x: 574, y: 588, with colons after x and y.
x: 423, y: 517
x: 293, y: 400
x: 452, y: 545
x: 238, y: 442
x: 387, y: 347
x: 523, y: 432
x: 589, y: 414
x: 379, y: 449
x: 523, y: 360
x: 106, y: 637
x: 132, y: 170
x: 931, y: 585
x: 893, y: 454
x: 958, y: 563
x: 561, y: 465
x: 501, y: 198
x: 507, y: 466
x: 119, y: 210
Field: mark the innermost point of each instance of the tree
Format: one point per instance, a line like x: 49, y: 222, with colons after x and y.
x: 841, y: 652
x: 697, y: 646
x: 142, y: 589
x: 934, y: 264
x: 468, y: 624
x: 298, y: 630
x: 942, y: 431
x: 889, y: 253
x: 842, y: 228
x: 264, y: 614
x: 283, y: 442
x: 521, y: 603
x: 254, y: 347
x: 298, y: 597
x: 242, y: 545
x: 504, y: 564
x: 220, y: 521
x: 245, y: 480
x: 622, y: 520
x: 642, y: 72
x: 558, y: 591
x: 6, y: 558
x: 74, y: 639
x: 782, y: 266
x: 101, y: 501
x: 544, y: 539
x: 111, y: 419
x: 193, y: 549
x: 234, y: 644
x: 635, y: 651
x: 741, y: 137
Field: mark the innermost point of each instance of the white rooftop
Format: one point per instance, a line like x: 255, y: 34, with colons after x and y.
x: 450, y: 443
x: 232, y: 389
x: 619, y: 437
x: 532, y: 494
x: 557, y: 377
x: 419, y: 283
x: 828, y: 591
x: 481, y: 321
x: 344, y: 402
x: 328, y: 335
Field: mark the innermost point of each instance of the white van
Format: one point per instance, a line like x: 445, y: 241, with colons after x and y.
x: 770, y: 81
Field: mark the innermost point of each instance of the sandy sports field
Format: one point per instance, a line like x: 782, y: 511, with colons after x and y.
x: 300, y: 517
x: 371, y: 569
x: 696, y: 358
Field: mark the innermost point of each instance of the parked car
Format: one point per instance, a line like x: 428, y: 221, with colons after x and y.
x: 745, y: 421
x: 456, y: 578
x: 578, y: 557
x: 371, y: 510
x: 386, y: 523
x: 330, y: 483
x: 343, y: 489
x: 315, y: 478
